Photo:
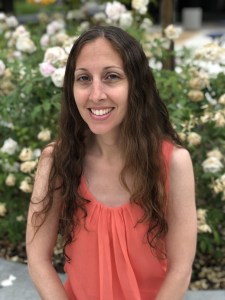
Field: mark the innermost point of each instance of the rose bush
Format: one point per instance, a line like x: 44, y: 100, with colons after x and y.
x: 32, y: 66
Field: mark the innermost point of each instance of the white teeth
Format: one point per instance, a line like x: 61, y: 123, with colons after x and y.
x: 101, y: 112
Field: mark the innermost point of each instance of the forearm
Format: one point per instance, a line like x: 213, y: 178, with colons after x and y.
x: 174, y: 286
x: 47, y: 281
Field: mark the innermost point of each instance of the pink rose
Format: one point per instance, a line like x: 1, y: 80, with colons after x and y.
x: 44, y: 41
x: 46, y: 69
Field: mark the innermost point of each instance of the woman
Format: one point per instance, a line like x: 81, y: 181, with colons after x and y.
x: 117, y: 183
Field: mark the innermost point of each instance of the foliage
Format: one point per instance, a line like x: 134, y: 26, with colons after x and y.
x: 30, y: 94
x: 23, y: 7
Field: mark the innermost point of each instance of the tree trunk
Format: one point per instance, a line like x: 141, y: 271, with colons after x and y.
x: 7, y: 6
x: 167, y: 18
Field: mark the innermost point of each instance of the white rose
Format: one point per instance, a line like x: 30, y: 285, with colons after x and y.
x: 26, y: 154
x: 22, y: 70
x: 59, y: 38
x: 68, y: 44
x: 201, y: 221
x: 165, y: 44
x: 55, y: 55
x: 20, y: 31
x: 7, y: 167
x: 218, y: 187
x: 212, y: 165
x: 157, y: 65
x: 10, y: 180
x: 73, y: 14
x: 36, y: 153
x: 2, y: 17
x: 99, y: 17
x: 182, y: 136
x: 44, y: 135
x: 222, y: 179
x: 114, y: 10
x: 201, y: 214
x: 46, y: 69
x: 58, y: 77
x: 172, y: 32
x: 211, y: 52
x: 223, y: 196
x: 199, y: 83
x: 204, y: 228
x: 9, y: 146
x: 222, y: 99
x: 195, y: 95
x: 219, y: 184
x: 215, y: 153
x: 51, y: 29
x: 206, y: 117
x: 28, y: 166
x: 20, y: 218
x: 140, y: 5
x: 194, y: 139
x: 143, y: 10
x: 8, y: 75
x: 25, y: 44
x: 2, y: 68
x: 17, y: 54
x: 55, y: 26
x: 83, y: 26
x: 126, y: 20
x: 8, y: 35
x: 3, y: 209
x: 146, y: 24
x: 219, y: 118
x: 11, y: 22
x: 26, y: 185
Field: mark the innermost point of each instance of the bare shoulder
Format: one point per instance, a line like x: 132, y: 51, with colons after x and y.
x: 46, y: 156
x: 181, y: 173
x: 180, y: 155
x: 42, y: 173
x: 48, y: 151
x: 44, y: 164
x: 180, y: 160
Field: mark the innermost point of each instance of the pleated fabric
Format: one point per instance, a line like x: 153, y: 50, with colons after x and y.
x: 110, y: 257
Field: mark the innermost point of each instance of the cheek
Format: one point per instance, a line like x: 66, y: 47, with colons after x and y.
x: 81, y: 93
x: 79, y: 98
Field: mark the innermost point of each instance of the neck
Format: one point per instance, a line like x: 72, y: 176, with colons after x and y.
x: 106, y: 146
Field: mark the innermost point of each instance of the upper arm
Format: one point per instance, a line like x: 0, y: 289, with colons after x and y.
x: 181, y: 213
x: 40, y: 243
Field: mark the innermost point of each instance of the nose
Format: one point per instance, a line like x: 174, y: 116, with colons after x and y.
x: 97, y: 91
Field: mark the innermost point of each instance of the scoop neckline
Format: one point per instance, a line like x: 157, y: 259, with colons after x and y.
x: 93, y: 198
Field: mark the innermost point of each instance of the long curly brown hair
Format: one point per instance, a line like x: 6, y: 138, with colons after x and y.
x: 144, y: 128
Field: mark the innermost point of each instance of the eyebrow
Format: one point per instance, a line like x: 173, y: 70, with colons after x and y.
x: 106, y: 68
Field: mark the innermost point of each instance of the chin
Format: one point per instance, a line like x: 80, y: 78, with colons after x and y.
x: 98, y: 130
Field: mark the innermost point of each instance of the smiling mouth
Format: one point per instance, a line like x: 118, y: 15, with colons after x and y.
x: 101, y: 112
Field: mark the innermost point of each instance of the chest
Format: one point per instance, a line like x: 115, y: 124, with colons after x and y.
x: 103, y: 182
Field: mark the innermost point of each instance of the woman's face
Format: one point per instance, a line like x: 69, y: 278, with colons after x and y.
x: 101, y: 87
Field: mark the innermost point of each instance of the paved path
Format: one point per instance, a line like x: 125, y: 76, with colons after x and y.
x: 23, y: 289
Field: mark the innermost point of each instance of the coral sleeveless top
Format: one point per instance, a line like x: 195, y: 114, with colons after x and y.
x: 111, y: 258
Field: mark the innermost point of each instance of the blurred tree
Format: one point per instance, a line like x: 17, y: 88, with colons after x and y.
x: 167, y: 18
x: 7, y: 6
